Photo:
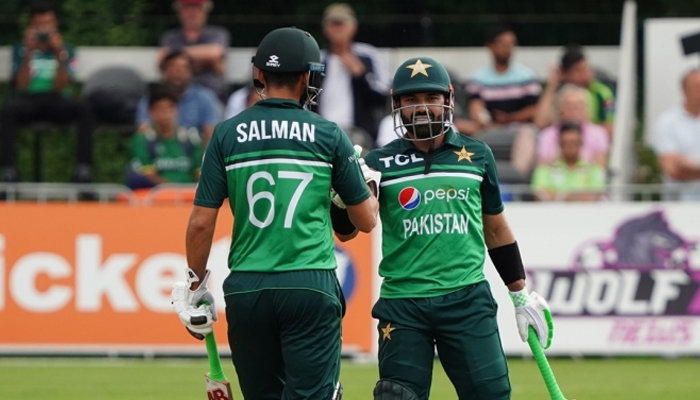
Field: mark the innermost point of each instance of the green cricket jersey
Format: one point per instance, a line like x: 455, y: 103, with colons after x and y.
x: 432, y: 229
x: 276, y: 163
x: 43, y: 67
x: 176, y: 159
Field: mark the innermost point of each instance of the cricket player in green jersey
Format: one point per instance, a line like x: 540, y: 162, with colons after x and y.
x: 276, y: 163
x: 440, y: 208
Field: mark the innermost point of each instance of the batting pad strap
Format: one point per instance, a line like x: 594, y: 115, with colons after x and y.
x: 392, y: 390
x: 341, y: 221
x: 508, y: 262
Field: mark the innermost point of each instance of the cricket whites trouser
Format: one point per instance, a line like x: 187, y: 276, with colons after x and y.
x: 284, y: 330
x: 463, y: 326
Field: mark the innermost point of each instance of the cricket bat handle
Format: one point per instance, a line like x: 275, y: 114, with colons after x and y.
x: 216, y: 372
x: 549, y: 380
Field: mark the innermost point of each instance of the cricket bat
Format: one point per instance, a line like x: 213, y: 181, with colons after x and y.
x: 218, y: 387
x: 549, y: 380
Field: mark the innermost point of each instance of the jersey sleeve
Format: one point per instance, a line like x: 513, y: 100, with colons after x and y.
x: 491, y: 202
x: 212, y: 188
x: 347, y: 179
x: 473, y: 89
x: 533, y: 89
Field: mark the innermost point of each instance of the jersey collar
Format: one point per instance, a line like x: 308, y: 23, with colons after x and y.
x: 279, y: 103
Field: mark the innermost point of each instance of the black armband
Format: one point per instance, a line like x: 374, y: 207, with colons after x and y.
x: 508, y: 262
x: 341, y: 220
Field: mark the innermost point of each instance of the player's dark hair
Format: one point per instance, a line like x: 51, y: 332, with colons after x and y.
x: 173, y: 54
x: 41, y: 7
x: 572, y: 56
x: 567, y: 126
x: 162, y: 92
x: 494, y: 31
x: 282, y: 79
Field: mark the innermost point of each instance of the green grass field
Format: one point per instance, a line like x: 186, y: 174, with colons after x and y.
x: 107, y: 379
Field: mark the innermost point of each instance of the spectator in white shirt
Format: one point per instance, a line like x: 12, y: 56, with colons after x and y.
x: 677, y: 140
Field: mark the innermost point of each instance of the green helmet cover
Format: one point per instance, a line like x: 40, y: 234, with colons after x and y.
x: 288, y: 50
x: 420, y: 74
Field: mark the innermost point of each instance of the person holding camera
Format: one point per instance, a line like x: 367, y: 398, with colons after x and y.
x: 42, y: 71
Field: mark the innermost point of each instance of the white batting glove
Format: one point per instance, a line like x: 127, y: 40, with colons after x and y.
x: 195, y: 308
x: 201, y: 295
x: 372, y: 178
x: 531, y: 309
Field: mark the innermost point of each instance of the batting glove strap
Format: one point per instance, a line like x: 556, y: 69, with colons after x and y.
x: 201, y: 295
x: 531, y: 309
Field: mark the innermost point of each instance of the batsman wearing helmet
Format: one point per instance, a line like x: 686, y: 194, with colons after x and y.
x: 440, y: 208
x: 276, y: 163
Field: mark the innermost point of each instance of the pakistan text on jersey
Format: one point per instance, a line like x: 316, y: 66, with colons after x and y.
x: 433, y: 224
x: 264, y: 130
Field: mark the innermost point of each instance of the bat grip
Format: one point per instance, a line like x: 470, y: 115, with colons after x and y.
x: 216, y: 372
x: 549, y: 380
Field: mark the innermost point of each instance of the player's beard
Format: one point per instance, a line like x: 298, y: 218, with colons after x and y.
x: 420, y: 128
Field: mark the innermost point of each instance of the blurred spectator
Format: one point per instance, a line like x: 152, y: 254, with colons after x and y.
x: 575, y: 69
x: 570, y: 177
x: 197, y: 106
x: 356, y: 86
x: 164, y: 152
x: 241, y: 99
x: 572, y: 106
x: 501, y: 104
x: 42, y: 71
x: 205, y: 44
x: 676, y: 140
x: 504, y: 92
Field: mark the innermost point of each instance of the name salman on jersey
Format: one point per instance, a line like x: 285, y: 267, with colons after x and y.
x: 258, y: 130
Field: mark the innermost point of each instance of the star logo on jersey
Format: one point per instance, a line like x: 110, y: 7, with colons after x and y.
x: 386, y: 331
x: 463, y: 155
x: 419, y: 68
x: 409, y: 198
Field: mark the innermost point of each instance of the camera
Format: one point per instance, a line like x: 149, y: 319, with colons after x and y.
x: 43, y: 36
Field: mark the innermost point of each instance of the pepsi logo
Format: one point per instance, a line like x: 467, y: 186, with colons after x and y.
x: 409, y: 198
